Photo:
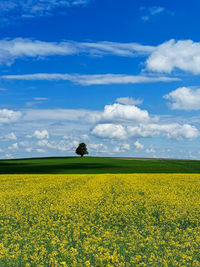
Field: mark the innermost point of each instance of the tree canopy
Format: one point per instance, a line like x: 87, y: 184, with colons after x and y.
x: 82, y: 149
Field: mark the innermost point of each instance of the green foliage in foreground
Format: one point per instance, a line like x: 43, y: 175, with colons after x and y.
x: 97, y: 165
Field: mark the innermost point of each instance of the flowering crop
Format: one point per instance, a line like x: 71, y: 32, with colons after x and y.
x: 100, y: 220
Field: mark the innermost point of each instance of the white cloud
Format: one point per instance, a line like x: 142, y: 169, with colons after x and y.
x: 129, y: 101
x: 71, y: 115
x: 111, y: 113
x: 15, y: 9
x: 184, y: 98
x: 151, y: 11
x: 171, y: 131
x: 74, y: 143
x: 39, y: 150
x: 138, y: 145
x: 121, y: 148
x: 84, y: 137
x: 90, y: 124
x: 183, y: 54
x: 79, y: 2
x: 40, y: 98
x: 98, y: 148
x: 135, y: 122
x: 40, y: 134
x: 9, y: 156
x: 118, y: 112
x: 29, y: 149
x: 116, y: 121
x: 58, y: 145
x: 43, y: 143
x: 8, y: 116
x: 98, y: 79
x: 24, y: 143
x: 12, y: 49
x: 14, y: 147
x: 150, y: 150
x: 125, y: 147
x: 156, y: 10
x: 11, y: 136
x: 112, y: 131
x: 145, y: 18
x: 113, y: 48
x: 117, y: 149
x: 35, y: 101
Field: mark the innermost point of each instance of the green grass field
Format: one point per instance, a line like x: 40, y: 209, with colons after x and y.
x: 95, y: 165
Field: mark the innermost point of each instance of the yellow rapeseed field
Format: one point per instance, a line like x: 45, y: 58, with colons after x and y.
x: 100, y: 220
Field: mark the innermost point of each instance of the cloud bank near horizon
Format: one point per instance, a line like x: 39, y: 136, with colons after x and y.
x: 122, y: 121
x: 115, y: 130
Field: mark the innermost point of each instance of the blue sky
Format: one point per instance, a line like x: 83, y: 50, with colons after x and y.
x: 122, y: 77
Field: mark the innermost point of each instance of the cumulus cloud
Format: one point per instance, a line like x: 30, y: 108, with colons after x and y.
x: 11, y: 136
x: 111, y: 113
x: 184, y: 98
x: 117, y: 121
x: 60, y: 145
x: 129, y: 101
x: 98, y: 79
x: 150, y: 150
x: 108, y: 130
x: 8, y: 116
x: 118, y: 112
x: 138, y: 145
x: 24, y: 143
x: 69, y: 127
x: 171, y: 131
x: 40, y: 134
x: 183, y: 54
x: 98, y: 148
x: 9, y: 156
x: 121, y: 148
x: 14, y: 147
x: 142, y: 126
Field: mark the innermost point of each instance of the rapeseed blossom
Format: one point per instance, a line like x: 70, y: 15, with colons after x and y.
x: 100, y: 220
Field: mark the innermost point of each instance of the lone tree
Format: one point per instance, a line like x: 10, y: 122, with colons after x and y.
x: 81, y: 149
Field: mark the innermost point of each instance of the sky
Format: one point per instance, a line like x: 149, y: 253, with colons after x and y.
x: 121, y: 76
